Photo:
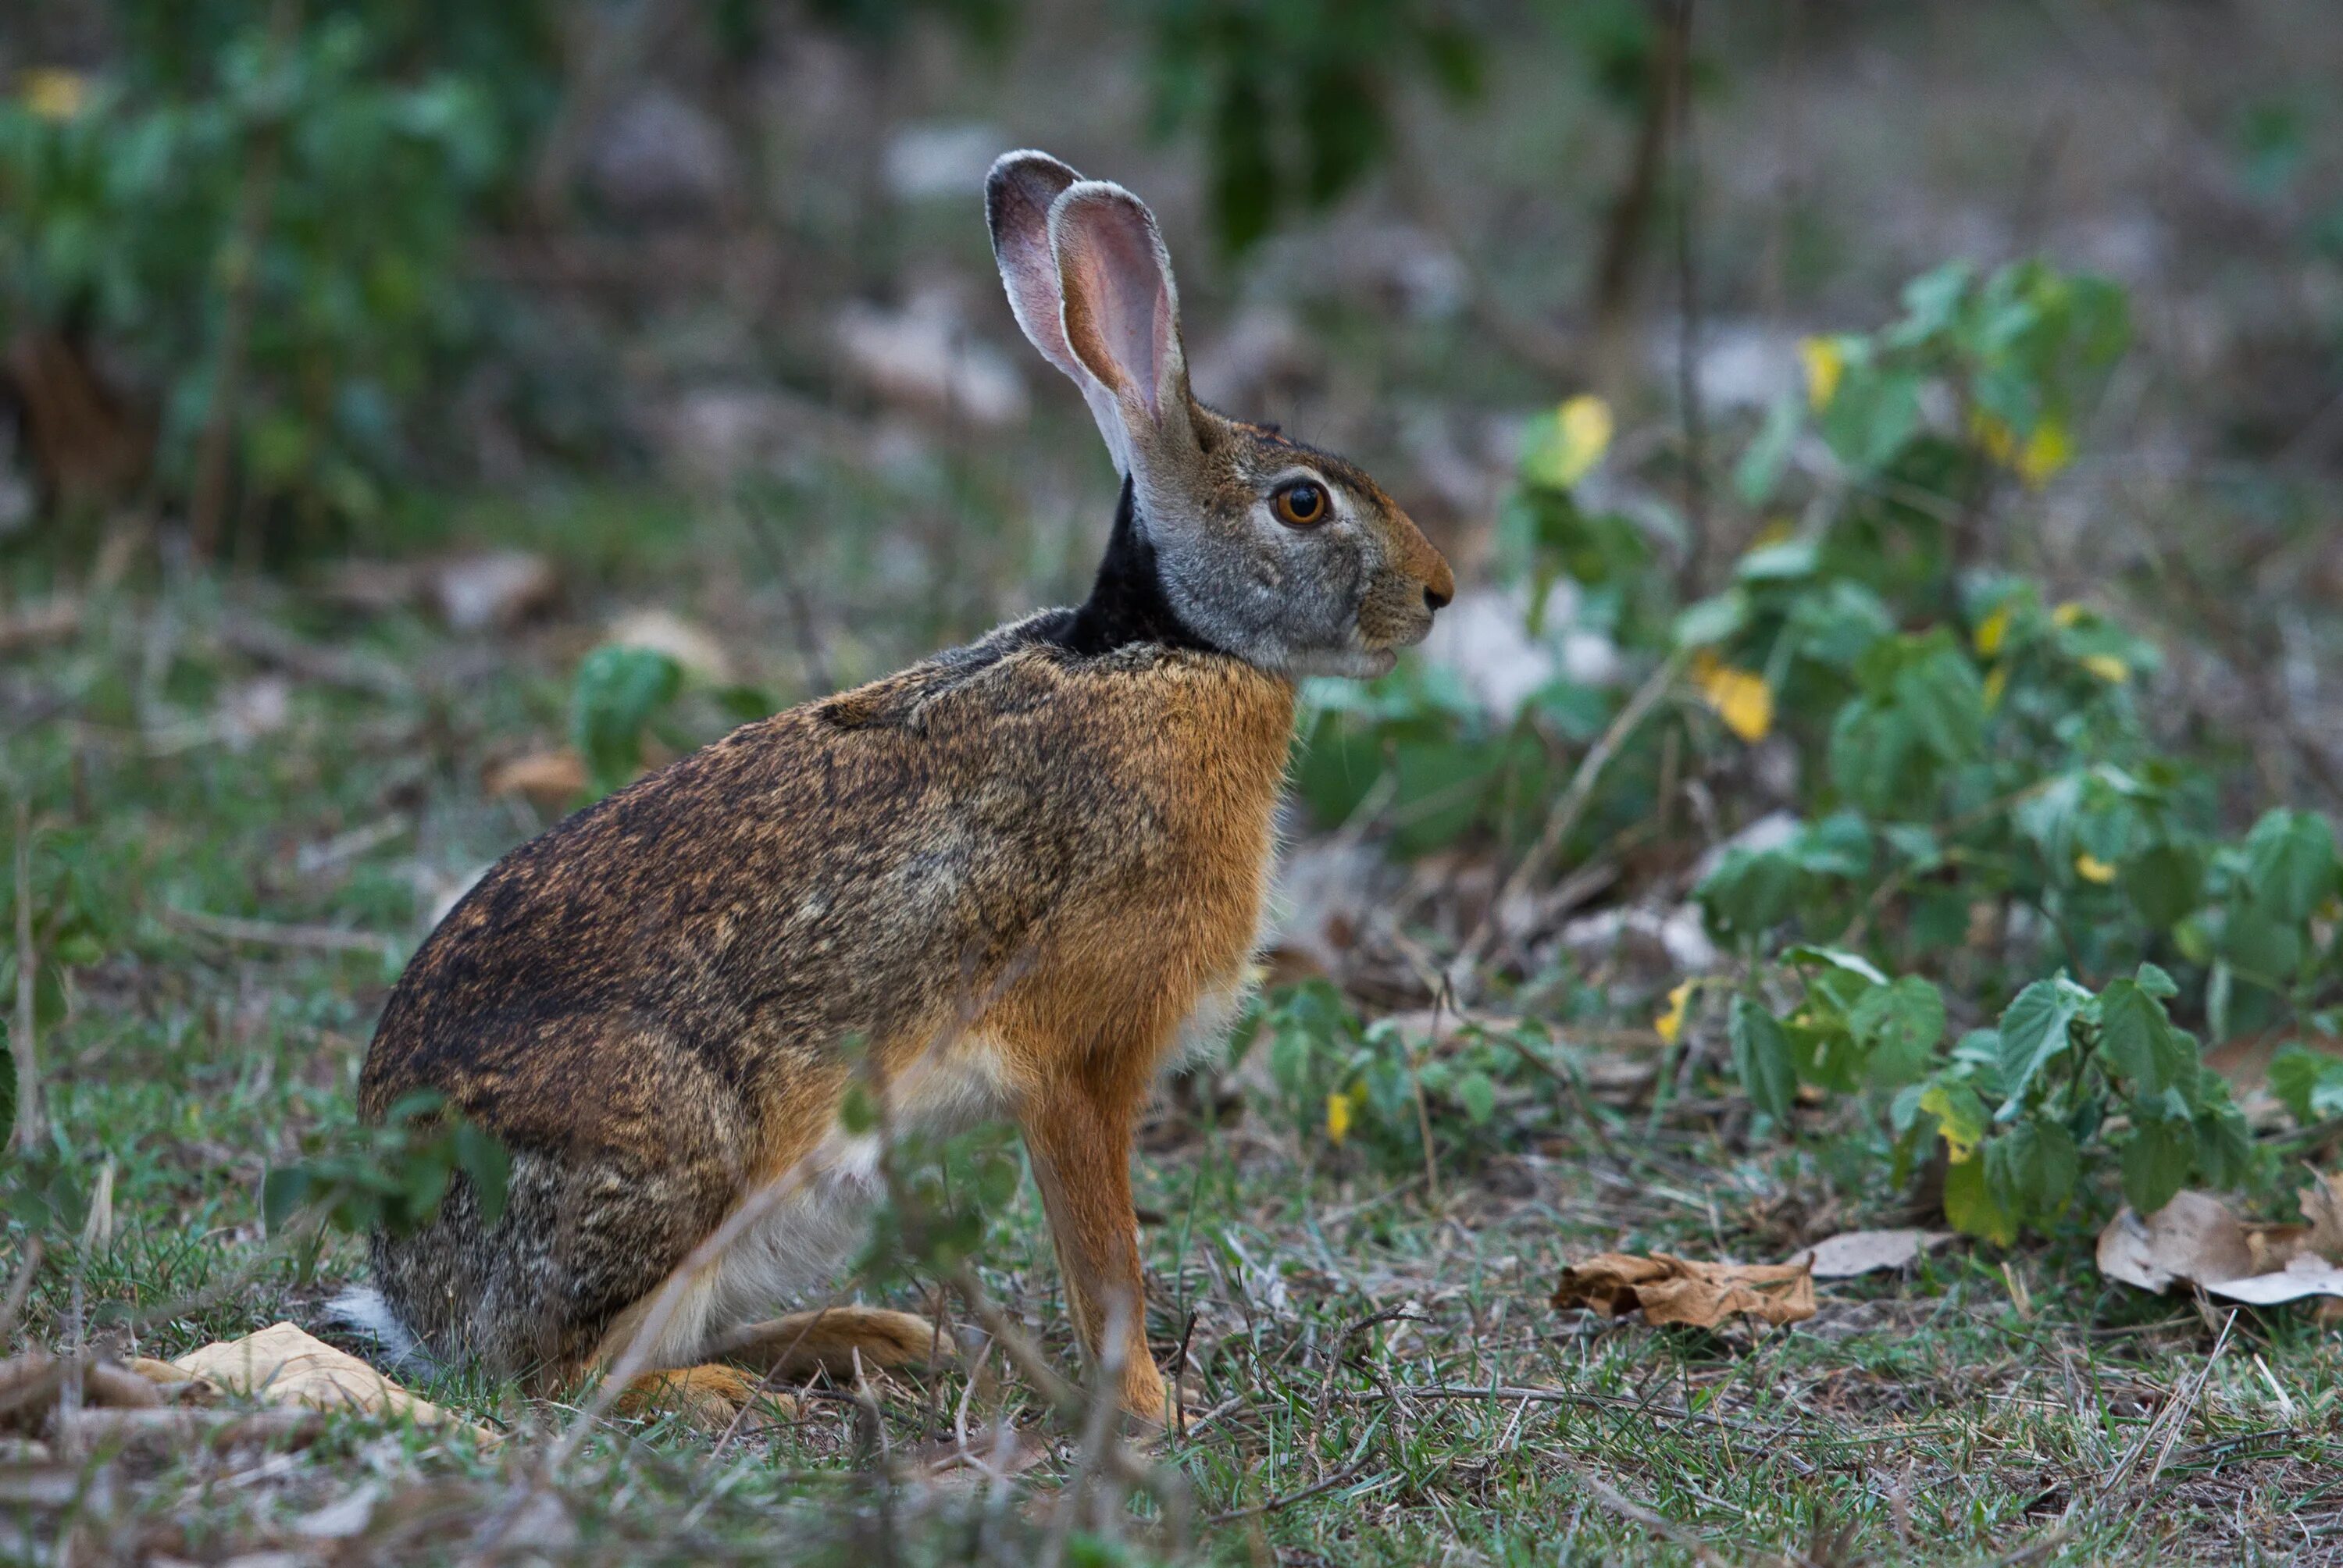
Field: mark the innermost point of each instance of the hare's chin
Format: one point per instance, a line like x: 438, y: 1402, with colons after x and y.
x: 1356, y: 663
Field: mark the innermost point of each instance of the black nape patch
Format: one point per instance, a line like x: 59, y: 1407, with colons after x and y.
x: 1127, y: 603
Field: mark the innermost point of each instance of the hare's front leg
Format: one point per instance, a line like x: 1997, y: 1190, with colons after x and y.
x: 1078, y: 1128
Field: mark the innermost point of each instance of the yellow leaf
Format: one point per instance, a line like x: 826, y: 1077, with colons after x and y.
x: 1739, y: 696
x: 1960, y: 1142
x: 1565, y: 449
x: 2091, y: 868
x: 2067, y: 614
x: 53, y: 93
x: 2050, y: 448
x: 1338, y: 1117
x: 1995, y: 680
x: 1993, y: 631
x: 1669, y: 1024
x: 1777, y: 530
x: 2108, y: 668
x: 1825, y: 365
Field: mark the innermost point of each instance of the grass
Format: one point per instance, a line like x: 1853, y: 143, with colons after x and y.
x: 1386, y: 1381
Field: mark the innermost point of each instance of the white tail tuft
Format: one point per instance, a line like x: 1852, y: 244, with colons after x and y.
x: 364, y: 1310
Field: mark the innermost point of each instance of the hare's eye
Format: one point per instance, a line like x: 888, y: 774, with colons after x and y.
x: 1300, y: 505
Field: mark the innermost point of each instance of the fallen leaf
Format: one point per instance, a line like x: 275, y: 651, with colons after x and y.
x: 283, y: 1364
x: 550, y: 781
x: 2195, y: 1240
x: 1853, y: 1252
x: 492, y: 589
x: 1672, y: 1290
x: 691, y: 645
x: 2194, y: 1237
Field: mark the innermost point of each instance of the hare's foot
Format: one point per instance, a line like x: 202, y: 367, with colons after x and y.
x: 794, y: 1347
x: 710, y: 1396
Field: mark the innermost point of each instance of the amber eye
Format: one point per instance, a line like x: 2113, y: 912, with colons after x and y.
x: 1300, y: 505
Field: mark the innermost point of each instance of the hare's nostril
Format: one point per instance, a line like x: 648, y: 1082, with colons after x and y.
x: 1435, y: 600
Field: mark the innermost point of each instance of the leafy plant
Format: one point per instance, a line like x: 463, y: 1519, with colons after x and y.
x: 619, y: 690
x: 394, y: 1175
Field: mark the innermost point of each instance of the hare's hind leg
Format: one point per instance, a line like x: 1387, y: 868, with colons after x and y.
x: 1078, y: 1126
x: 835, y: 1340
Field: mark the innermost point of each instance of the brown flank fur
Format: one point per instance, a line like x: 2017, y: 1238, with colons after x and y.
x: 1016, y: 870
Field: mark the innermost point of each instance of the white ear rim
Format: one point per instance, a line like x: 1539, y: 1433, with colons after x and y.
x: 1020, y: 191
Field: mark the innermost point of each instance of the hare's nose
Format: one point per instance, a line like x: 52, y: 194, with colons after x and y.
x: 1435, y: 600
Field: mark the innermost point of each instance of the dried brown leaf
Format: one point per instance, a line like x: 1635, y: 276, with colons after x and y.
x: 1853, y: 1252
x: 1672, y: 1290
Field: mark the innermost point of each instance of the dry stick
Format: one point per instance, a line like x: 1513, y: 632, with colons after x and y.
x: 1563, y: 817
x: 1503, y: 1392
x: 28, y: 1065
x: 1627, y: 1507
x: 243, y: 269
x: 19, y: 1288
x: 2175, y: 1414
x: 276, y: 934
x: 1696, y: 435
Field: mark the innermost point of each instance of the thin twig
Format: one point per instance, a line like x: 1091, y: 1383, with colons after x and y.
x: 277, y: 934
x: 28, y: 1066
x: 1350, y: 1467
x: 1563, y: 817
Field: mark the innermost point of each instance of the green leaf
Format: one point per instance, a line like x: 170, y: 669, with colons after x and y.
x: 281, y: 1193
x: 2140, y: 1041
x: 482, y: 1157
x: 2156, y: 1161
x: 619, y: 690
x: 2290, y: 863
x: 1945, y: 701
x: 1759, y: 472
x: 1971, y: 1207
x: 1477, y: 1094
x: 2308, y: 1083
x: 2034, y: 1167
x: 1761, y: 1056
x: 1900, y: 1025
x: 2033, y: 1033
x: 2165, y: 883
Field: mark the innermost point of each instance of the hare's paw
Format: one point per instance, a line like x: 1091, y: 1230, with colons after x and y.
x: 711, y: 1397
x: 839, y: 1341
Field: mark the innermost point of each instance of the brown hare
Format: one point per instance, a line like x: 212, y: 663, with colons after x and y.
x: 1013, y: 878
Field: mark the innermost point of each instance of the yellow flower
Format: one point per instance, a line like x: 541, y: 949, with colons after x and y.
x: 1997, y: 680
x: 2091, y: 868
x: 1739, y: 696
x: 2050, y: 448
x: 1826, y: 364
x: 1338, y: 1117
x: 2067, y: 614
x: 53, y: 93
x: 2108, y: 668
x: 1993, y: 631
x: 1669, y: 1024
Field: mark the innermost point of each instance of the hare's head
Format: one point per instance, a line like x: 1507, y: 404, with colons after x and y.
x: 1290, y: 558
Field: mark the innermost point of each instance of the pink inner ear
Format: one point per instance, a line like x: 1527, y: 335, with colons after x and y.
x: 1119, y: 308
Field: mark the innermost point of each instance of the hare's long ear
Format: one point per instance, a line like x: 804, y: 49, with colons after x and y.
x: 1018, y: 196
x: 1122, y: 315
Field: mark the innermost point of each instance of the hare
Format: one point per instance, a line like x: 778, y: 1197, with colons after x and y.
x: 1012, y: 878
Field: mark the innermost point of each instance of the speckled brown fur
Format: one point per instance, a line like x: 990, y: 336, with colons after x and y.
x: 1029, y: 861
